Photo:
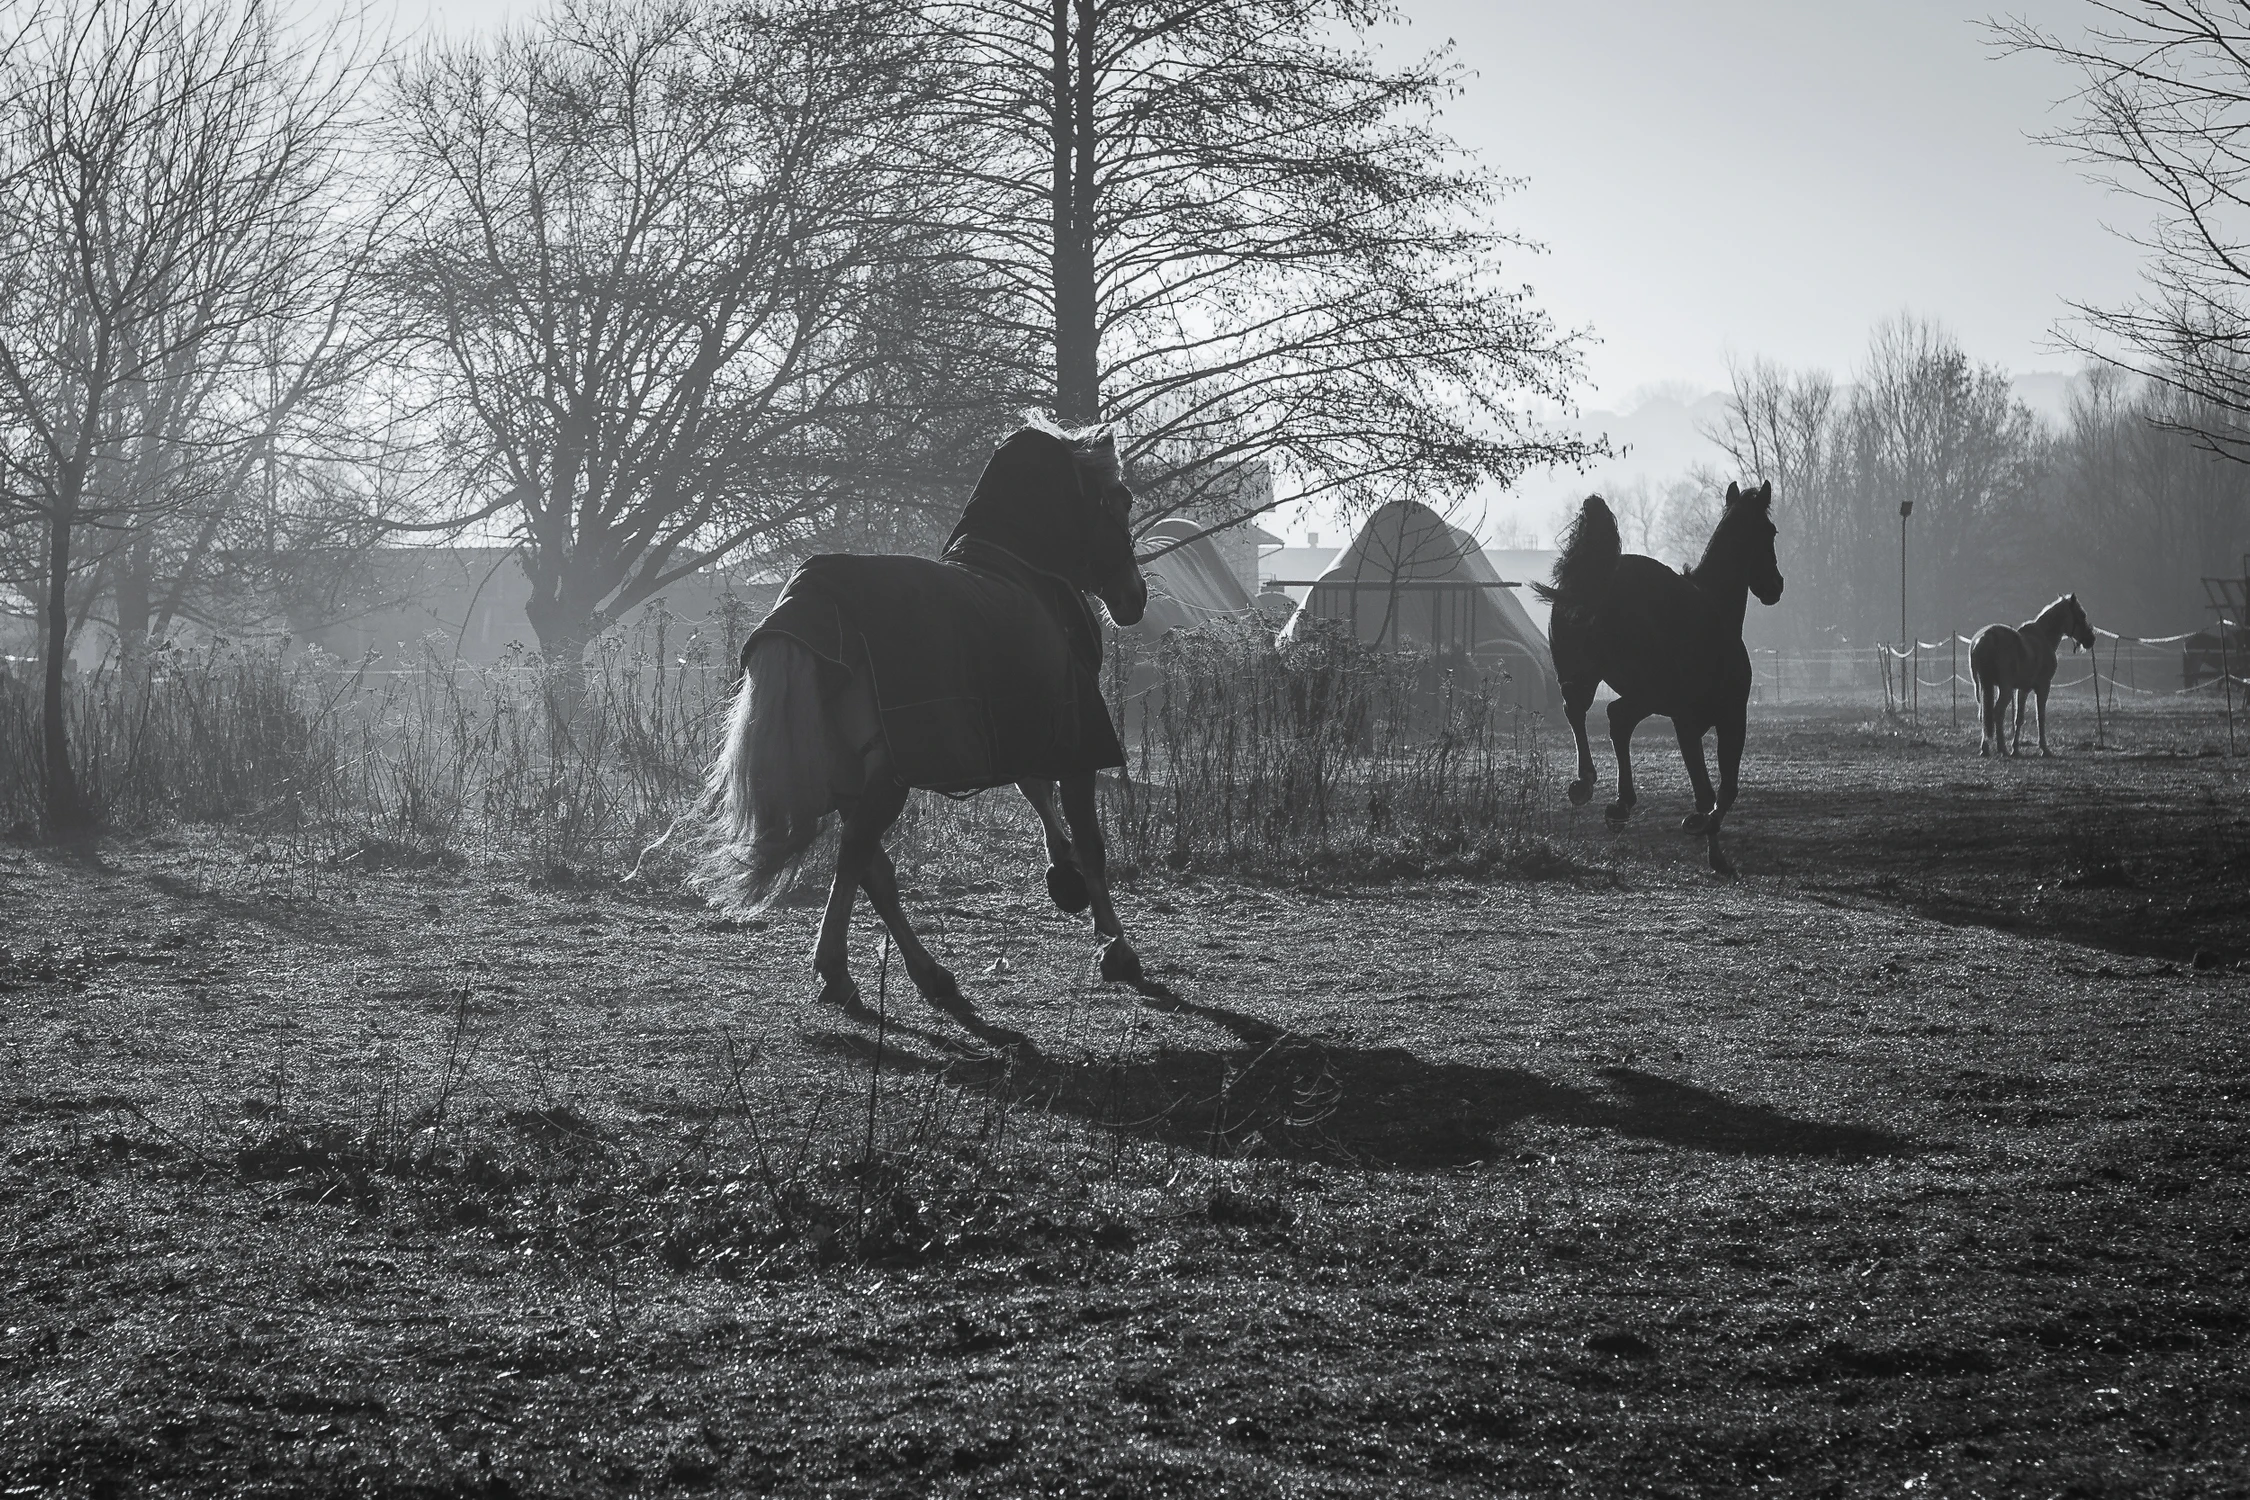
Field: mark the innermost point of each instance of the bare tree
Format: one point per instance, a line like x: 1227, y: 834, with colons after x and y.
x: 166, y: 173
x: 1921, y: 422
x: 2140, y: 506
x: 2164, y: 115
x: 1223, y: 224
x: 644, y: 230
x: 1637, y: 508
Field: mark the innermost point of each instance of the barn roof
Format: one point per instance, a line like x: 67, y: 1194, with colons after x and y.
x: 1189, y: 584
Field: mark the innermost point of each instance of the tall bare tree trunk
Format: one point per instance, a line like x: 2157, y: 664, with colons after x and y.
x: 66, y: 813
x: 1078, y: 399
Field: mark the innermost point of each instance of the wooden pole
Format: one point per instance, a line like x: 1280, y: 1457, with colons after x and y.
x: 2094, y: 674
x: 2226, y: 683
x: 1954, y: 721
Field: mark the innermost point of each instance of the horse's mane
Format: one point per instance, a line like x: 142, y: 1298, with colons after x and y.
x: 1093, y: 448
x: 1734, y: 522
x: 1590, y: 549
x: 2066, y: 612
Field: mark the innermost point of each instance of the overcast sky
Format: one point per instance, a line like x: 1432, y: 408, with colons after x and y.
x: 1774, y: 176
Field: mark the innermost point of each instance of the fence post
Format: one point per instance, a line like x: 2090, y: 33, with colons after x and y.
x: 1953, y: 719
x: 1914, y: 665
x: 2226, y: 679
x: 2094, y: 674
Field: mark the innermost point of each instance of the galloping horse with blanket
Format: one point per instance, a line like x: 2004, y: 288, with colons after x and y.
x: 1669, y: 643
x: 2020, y: 659
x: 874, y: 675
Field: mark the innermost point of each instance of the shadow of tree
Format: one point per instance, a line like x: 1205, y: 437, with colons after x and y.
x: 1281, y: 1093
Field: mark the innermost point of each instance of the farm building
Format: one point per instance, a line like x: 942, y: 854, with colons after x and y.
x: 468, y: 602
x: 1410, y: 579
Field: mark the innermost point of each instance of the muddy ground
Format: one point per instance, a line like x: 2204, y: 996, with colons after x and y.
x: 1910, y: 1162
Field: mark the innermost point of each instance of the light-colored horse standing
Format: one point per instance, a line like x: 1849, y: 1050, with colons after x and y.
x: 2020, y: 659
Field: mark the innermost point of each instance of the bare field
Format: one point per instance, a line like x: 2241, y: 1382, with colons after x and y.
x: 1910, y: 1163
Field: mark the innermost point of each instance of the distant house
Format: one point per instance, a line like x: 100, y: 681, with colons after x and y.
x: 468, y: 604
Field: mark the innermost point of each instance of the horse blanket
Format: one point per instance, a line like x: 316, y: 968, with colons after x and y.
x: 985, y: 670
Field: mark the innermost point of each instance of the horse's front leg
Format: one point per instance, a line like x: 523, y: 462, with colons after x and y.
x: 1624, y: 717
x: 2015, y: 743
x: 1581, y: 790
x: 1119, y: 961
x: 1733, y: 730
x: 1699, y: 773
x: 1066, y: 886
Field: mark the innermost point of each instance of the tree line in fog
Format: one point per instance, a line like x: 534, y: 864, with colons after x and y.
x: 2130, y: 499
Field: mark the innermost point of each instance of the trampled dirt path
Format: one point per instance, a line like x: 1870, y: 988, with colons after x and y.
x: 427, y: 1182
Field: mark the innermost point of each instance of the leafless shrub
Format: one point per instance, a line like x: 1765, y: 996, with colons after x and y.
x: 1322, y: 753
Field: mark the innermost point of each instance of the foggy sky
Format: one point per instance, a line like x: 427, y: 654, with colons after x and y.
x: 1774, y: 177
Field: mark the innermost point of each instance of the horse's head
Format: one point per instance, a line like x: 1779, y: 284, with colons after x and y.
x: 2075, y: 624
x: 1112, y: 570
x: 1745, y: 537
x: 1058, y: 501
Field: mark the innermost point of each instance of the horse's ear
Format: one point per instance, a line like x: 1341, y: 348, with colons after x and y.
x: 1734, y: 492
x: 1765, y: 495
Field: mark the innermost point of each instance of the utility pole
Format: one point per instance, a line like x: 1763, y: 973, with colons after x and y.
x: 1905, y: 509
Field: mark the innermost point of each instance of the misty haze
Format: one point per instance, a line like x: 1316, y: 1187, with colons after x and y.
x: 1115, y: 747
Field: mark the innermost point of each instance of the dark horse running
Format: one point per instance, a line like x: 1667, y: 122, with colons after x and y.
x: 874, y: 675
x: 1669, y: 643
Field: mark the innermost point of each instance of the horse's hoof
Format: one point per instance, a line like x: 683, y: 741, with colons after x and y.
x: 1581, y: 793
x: 1120, y: 964
x: 1067, y: 887
x: 941, y: 989
x: 1616, y: 813
x: 2045, y: 753
x: 842, y: 993
x: 1695, y: 822
x: 1721, y: 866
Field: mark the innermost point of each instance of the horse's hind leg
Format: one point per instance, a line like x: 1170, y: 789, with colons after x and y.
x: 933, y: 979
x: 1574, y: 709
x: 1624, y: 717
x: 2015, y: 742
x: 1691, y: 751
x: 865, y: 821
x: 1066, y: 885
x: 2042, y: 695
x: 1119, y: 961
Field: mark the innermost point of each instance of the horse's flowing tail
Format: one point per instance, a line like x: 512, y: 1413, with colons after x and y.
x: 768, y: 795
x: 1590, y: 549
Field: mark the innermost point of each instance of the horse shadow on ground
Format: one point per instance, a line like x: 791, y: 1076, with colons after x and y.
x: 1276, y: 1092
